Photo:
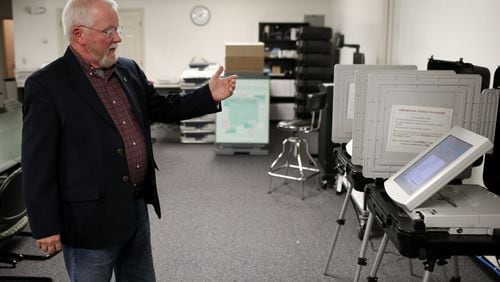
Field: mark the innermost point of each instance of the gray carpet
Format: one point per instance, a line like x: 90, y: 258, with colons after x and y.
x: 220, y: 224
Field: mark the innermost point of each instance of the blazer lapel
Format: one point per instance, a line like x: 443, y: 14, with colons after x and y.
x: 127, y: 88
x: 84, y: 88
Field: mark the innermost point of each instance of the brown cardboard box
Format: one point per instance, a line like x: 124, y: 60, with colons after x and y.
x: 245, y: 49
x: 249, y: 63
x: 244, y: 58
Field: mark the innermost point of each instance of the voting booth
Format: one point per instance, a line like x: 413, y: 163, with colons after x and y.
x: 398, y: 114
x: 410, y: 113
x: 344, y: 97
x: 407, y: 112
x: 343, y: 105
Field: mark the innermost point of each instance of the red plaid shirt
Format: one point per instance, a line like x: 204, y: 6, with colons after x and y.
x: 112, y: 95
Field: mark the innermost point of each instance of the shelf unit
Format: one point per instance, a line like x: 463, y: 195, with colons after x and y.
x: 198, y: 130
x: 279, y: 40
x: 280, y: 55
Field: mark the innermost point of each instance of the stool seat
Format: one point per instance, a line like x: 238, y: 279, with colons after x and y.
x: 289, y: 164
x: 295, y: 125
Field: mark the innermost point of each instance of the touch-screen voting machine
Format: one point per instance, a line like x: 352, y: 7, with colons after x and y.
x: 427, y: 219
x: 420, y: 187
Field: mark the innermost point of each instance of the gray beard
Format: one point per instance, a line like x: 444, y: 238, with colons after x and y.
x: 106, y: 62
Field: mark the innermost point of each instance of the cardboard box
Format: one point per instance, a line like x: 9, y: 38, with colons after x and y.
x: 245, y: 49
x: 248, y: 64
x: 245, y: 58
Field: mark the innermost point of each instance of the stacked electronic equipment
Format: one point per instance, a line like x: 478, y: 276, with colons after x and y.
x: 314, y: 63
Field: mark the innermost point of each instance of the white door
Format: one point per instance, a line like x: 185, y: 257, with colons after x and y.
x: 132, y: 45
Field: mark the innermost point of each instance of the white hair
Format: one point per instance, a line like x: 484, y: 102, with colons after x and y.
x: 76, y: 12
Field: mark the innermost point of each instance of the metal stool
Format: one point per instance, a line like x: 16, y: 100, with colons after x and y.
x: 292, y: 168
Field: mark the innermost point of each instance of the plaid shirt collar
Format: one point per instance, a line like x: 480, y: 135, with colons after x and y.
x: 89, y: 70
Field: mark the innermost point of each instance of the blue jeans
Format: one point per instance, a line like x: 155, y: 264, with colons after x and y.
x: 131, y: 261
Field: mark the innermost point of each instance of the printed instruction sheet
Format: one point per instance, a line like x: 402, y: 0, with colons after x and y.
x: 414, y: 128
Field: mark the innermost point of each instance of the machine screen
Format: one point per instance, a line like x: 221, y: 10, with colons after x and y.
x: 435, y: 161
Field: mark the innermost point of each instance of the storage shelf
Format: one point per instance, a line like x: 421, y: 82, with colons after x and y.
x: 280, y: 35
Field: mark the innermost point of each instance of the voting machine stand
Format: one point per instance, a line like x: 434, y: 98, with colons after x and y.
x: 429, y: 220
x: 350, y: 178
x: 412, y: 239
x: 347, y: 175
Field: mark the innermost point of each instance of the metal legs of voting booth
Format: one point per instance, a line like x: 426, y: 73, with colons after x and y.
x: 291, y: 167
x: 428, y: 264
x: 361, y: 258
x: 347, y: 176
x: 340, y: 222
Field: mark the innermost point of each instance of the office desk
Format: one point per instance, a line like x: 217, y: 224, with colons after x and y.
x: 10, y: 139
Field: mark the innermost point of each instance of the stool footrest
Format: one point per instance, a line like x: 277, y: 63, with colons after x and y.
x: 310, y: 171
x: 291, y: 177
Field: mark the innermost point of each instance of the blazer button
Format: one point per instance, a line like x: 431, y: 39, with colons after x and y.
x: 125, y: 178
x: 120, y: 151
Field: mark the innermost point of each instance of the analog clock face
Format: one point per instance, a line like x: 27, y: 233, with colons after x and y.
x: 200, y: 15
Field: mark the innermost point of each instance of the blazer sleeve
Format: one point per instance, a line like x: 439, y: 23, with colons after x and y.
x: 176, y: 107
x: 39, y: 159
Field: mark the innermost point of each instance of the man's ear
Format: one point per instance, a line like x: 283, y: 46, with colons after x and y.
x: 77, y: 34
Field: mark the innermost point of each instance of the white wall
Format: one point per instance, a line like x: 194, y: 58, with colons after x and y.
x: 171, y: 40
x: 35, y: 36
x: 447, y: 29
x: 362, y: 22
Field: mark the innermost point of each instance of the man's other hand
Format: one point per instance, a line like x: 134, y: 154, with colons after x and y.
x: 50, y: 244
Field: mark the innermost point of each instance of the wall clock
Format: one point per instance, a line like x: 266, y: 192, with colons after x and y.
x: 200, y: 15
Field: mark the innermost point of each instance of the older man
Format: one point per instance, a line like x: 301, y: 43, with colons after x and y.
x: 88, y: 167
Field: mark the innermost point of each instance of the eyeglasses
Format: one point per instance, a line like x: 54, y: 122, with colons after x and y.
x: 110, y: 32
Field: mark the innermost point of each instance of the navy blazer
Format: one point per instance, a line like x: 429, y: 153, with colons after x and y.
x: 74, y: 167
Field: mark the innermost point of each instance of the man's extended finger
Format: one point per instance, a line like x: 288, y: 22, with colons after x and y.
x: 218, y: 72
x: 233, y: 76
